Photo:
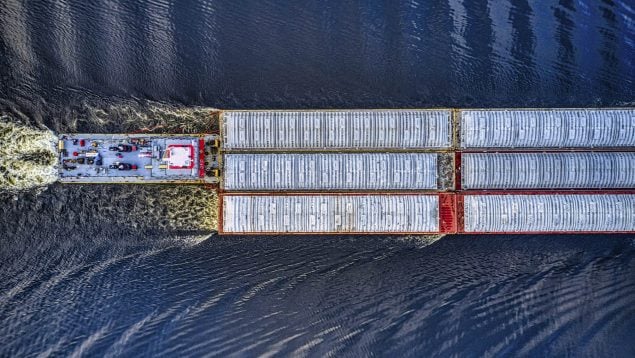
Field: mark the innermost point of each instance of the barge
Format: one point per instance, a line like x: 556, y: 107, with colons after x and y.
x: 437, y: 171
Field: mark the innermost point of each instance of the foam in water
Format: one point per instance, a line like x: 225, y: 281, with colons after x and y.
x: 143, y: 117
x: 420, y: 241
x: 27, y: 157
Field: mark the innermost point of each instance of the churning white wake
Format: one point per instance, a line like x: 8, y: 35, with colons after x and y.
x: 27, y: 156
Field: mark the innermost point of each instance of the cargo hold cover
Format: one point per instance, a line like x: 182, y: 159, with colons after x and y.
x: 330, y: 214
x: 556, y: 128
x: 590, y: 170
x: 351, y: 129
x: 549, y: 213
x: 330, y: 171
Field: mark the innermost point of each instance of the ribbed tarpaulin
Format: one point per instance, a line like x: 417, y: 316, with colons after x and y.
x: 555, y: 128
x: 583, y: 170
x: 553, y: 213
x: 354, y: 129
x: 330, y: 213
x: 330, y: 171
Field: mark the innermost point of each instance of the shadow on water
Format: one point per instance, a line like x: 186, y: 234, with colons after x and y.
x: 135, y: 270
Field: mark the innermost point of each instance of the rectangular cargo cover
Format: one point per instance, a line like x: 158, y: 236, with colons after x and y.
x: 330, y: 213
x: 584, y: 170
x: 330, y: 171
x: 557, y: 128
x: 549, y: 213
x: 353, y: 129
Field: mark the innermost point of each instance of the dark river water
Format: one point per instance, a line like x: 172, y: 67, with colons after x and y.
x: 136, y: 271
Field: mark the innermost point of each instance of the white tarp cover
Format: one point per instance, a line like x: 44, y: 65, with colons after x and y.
x: 332, y: 171
x: 547, y: 128
x: 330, y: 213
x: 337, y: 129
x: 533, y: 213
x: 588, y: 170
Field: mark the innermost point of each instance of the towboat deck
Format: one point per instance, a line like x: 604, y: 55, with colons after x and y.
x: 116, y: 158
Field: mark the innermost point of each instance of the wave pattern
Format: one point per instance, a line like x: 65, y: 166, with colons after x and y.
x: 321, y: 54
x: 324, y: 295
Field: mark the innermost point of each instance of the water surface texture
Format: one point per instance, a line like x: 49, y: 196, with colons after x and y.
x: 136, y: 271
